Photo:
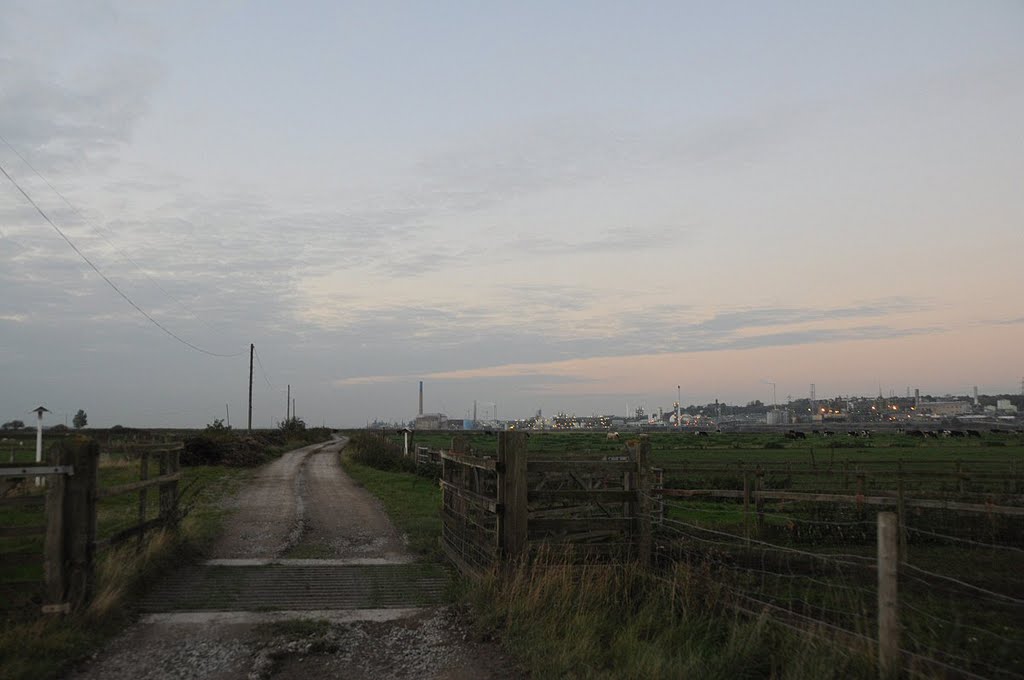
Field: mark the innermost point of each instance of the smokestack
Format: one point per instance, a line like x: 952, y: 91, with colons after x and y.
x: 421, y: 397
x: 917, y: 398
x: 474, y: 410
x: 976, y: 395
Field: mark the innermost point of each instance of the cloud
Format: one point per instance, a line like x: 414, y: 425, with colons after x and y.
x: 445, y: 340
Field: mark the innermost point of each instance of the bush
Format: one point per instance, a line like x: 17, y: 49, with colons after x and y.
x: 369, y: 449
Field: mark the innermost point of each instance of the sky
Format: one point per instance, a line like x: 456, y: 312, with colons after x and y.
x: 565, y: 206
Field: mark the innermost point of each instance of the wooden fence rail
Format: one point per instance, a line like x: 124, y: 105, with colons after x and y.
x: 70, y: 508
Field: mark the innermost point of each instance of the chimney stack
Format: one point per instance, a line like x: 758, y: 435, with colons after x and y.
x: 917, y: 398
x: 421, y: 397
x: 976, y: 402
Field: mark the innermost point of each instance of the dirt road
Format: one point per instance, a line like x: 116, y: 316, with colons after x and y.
x: 309, y: 579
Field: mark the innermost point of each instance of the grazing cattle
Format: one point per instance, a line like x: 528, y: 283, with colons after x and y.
x: 815, y: 432
x: 612, y: 435
x: 701, y: 433
x: 931, y: 433
x: 973, y: 433
x: 828, y: 433
x: 865, y: 433
x: 853, y: 433
x: 915, y: 433
x: 956, y: 433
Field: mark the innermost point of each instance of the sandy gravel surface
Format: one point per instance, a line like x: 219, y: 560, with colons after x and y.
x: 343, y: 520
x: 302, y: 504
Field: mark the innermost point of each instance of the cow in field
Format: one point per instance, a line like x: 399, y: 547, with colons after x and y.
x: 612, y: 435
x: 974, y: 433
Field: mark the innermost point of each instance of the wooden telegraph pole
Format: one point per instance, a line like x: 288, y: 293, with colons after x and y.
x: 252, y: 349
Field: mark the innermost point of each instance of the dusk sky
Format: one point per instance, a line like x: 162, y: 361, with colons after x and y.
x: 546, y: 205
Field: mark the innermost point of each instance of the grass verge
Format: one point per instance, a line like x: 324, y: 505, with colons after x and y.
x: 412, y: 502
x: 46, y: 647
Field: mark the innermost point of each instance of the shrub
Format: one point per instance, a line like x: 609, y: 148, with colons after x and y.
x: 369, y: 449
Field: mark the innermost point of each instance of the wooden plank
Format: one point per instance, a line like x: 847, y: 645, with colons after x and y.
x: 136, y: 486
x: 14, y: 532
x: 33, y: 500
x: 871, y: 474
x: 470, y: 461
x: 837, y: 498
x: 591, y: 495
x: 20, y: 558
x: 614, y: 467
x: 581, y: 523
x: 489, y: 504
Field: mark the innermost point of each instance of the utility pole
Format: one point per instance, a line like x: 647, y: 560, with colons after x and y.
x: 227, y: 414
x: 294, y: 414
x: 252, y: 350
x: 288, y: 405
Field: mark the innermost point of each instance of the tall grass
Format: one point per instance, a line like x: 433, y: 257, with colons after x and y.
x: 619, y: 621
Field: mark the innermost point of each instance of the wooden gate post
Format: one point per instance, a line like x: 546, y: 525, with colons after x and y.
x: 169, y: 465
x: 512, y: 517
x: 888, y: 603
x: 71, y: 525
x: 54, y: 569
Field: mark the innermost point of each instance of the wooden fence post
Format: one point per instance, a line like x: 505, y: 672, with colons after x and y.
x: 71, y: 525
x: 143, y: 494
x: 746, y: 507
x: 54, y: 568
x: 759, y: 499
x: 888, y: 602
x: 169, y: 464
x: 643, y: 507
x: 512, y: 491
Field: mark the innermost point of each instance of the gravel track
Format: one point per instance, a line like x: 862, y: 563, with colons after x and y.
x: 302, y: 504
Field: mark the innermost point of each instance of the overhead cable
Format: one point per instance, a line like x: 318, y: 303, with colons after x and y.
x: 105, y: 278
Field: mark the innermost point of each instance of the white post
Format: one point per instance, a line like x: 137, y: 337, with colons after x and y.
x: 405, y: 452
x: 39, y: 439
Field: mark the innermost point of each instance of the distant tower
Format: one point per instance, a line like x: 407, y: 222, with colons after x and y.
x: 679, y: 396
x: 474, y: 410
x: 917, y: 398
x: 976, y: 402
x: 421, y: 397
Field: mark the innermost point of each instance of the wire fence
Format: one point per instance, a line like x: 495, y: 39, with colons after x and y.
x: 961, y: 597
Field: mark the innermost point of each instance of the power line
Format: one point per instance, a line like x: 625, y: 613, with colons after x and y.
x: 99, y: 231
x: 260, y: 363
x: 104, y: 276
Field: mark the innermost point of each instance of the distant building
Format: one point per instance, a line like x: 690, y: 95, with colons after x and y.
x: 1004, y: 406
x: 431, y: 421
x: 945, y: 408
